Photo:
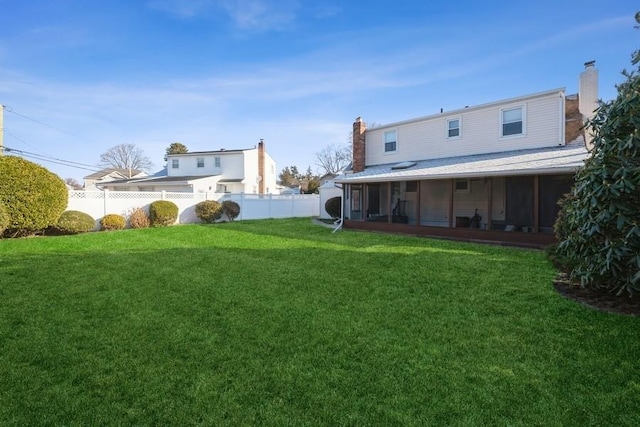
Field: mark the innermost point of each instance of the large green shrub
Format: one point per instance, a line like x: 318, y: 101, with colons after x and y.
x: 112, y: 222
x: 333, y: 206
x: 599, y: 224
x: 231, y: 209
x: 163, y: 212
x: 73, y: 222
x: 138, y: 218
x: 33, y: 197
x: 4, y: 218
x: 209, y: 210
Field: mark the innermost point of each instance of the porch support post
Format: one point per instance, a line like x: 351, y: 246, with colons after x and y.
x: 364, y: 198
x: 451, y: 187
x: 489, y: 202
x: 389, y: 203
x: 418, y: 202
x: 536, y: 203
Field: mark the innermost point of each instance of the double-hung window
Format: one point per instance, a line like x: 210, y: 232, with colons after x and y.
x: 453, y: 128
x: 200, y: 162
x: 216, y: 161
x: 513, y: 121
x: 175, y: 163
x: 390, y: 141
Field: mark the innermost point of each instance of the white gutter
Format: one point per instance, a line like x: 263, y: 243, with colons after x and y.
x: 420, y: 177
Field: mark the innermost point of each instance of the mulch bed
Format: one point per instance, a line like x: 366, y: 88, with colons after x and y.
x: 598, y: 299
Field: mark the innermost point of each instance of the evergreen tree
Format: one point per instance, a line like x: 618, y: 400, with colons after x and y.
x: 599, y: 223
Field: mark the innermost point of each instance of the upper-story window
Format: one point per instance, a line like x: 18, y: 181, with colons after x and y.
x: 200, y: 162
x: 453, y: 128
x: 513, y: 121
x: 390, y: 141
x: 175, y: 163
x: 216, y: 161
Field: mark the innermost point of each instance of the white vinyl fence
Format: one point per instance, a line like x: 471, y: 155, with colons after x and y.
x: 252, y: 206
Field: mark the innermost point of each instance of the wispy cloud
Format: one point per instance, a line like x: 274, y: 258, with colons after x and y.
x: 249, y: 15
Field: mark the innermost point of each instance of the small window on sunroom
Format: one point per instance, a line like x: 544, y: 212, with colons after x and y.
x: 175, y: 163
x: 462, y: 185
x: 390, y: 141
x: 512, y: 123
x: 453, y: 128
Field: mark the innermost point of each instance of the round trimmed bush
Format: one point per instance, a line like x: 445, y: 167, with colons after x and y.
x: 33, y: 197
x: 333, y: 206
x: 209, y: 210
x: 112, y: 222
x: 4, y: 219
x: 231, y: 209
x: 139, y: 219
x: 74, y: 222
x: 163, y: 212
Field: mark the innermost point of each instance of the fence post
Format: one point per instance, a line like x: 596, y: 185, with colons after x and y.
x: 163, y: 195
x: 293, y: 206
x: 105, y: 204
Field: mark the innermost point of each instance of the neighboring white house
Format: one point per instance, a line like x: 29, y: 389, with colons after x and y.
x: 110, y: 174
x: 250, y: 171
x: 498, y: 166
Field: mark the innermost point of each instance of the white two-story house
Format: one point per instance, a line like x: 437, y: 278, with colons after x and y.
x: 489, y: 172
x: 249, y: 170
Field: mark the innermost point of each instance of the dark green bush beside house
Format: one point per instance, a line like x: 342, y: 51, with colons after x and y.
x: 33, y: 197
x: 231, y: 209
x: 333, y: 206
x: 599, y: 224
x: 74, y: 222
x: 112, y: 222
x: 209, y: 210
x: 163, y: 212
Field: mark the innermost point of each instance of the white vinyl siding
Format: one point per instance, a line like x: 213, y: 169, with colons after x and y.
x: 427, y: 138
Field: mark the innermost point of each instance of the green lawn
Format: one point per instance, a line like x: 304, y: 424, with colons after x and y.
x: 281, y: 322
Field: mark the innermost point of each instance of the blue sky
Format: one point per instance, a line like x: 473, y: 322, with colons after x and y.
x: 78, y: 77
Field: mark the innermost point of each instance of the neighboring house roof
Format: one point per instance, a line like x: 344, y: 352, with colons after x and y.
x: 221, y: 151
x: 565, y: 159
x: 231, y: 180
x: 107, y: 171
x: 158, y: 179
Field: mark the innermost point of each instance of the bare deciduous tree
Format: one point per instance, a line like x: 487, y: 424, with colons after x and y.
x: 333, y: 158
x: 126, y: 156
x: 73, y: 183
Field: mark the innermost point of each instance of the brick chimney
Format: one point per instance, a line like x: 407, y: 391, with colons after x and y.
x: 359, y: 130
x: 261, y: 167
x: 588, y: 96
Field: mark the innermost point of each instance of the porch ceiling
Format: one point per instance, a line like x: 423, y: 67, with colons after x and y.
x: 555, y: 160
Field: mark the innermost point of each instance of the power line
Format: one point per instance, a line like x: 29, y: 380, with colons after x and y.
x: 25, y: 142
x: 55, y: 160
x: 10, y: 110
